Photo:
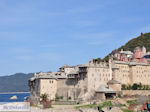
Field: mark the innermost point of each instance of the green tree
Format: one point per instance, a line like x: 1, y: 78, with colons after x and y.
x: 135, y: 86
x: 99, y: 60
x: 140, y: 86
x: 44, y: 97
x: 129, y: 87
x: 46, y: 103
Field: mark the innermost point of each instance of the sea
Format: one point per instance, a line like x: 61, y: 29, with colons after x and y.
x: 5, y: 97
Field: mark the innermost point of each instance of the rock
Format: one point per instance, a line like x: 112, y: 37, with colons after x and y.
x: 14, y: 97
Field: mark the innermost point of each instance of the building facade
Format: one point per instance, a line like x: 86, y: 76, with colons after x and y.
x: 95, y: 79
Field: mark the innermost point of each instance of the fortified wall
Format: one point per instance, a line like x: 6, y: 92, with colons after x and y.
x: 95, y: 79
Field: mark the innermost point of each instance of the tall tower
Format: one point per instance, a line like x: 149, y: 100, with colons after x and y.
x: 143, y: 50
x: 110, y: 67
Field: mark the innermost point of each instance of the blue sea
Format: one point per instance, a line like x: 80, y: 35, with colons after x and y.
x: 5, y: 97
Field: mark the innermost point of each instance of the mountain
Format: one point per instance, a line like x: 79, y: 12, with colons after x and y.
x: 142, y: 40
x: 15, y: 83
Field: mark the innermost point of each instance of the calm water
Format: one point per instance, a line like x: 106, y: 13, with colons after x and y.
x: 6, y: 97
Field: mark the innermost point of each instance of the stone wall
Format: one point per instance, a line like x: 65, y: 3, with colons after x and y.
x: 48, y: 86
x: 72, y: 88
x: 35, y: 91
x: 122, y: 74
x: 135, y: 92
x: 141, y: 74
x: 129, y: 74
x: 98, y: 76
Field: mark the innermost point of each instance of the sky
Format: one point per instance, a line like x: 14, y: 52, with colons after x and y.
x: 43, y: 35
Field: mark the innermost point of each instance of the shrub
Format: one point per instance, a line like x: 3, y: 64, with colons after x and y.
x: 78, y: 102
x: 86, y: 106
x: 132, y: 101
x: 57, y: 97
x: 126, y: 110
x: 119, y: 95
x: 107, y: 104
x: 44, y: 97
x: 135, y: 86
x: 46, y: 103
x: 123, y: 105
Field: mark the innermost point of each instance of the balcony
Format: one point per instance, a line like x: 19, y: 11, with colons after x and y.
x: 82, y: 69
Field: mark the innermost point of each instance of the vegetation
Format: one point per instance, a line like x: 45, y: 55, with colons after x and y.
x: 105, y: 104
x: 123, y: 105
x: 142, y: 40
x: 135, y: 86
x: 46, y: 103
x: 86, y: 106
x: 44, y: 97
x: 126, y: 110
x: 57, y: 98
x: 132, y: 102
x: 15, y: 83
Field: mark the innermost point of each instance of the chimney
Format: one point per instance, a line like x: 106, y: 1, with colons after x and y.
x: 92, y: 61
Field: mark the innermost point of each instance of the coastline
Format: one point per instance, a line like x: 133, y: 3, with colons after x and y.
x: 12, y: 92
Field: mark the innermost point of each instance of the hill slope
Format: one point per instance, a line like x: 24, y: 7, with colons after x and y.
x: 15, y: 83
x: 142, y: 40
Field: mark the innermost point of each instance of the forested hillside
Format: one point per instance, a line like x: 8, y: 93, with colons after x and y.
x: 15, y: 83
x: 142, y: 40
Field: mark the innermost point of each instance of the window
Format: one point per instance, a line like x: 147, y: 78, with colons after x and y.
x: 51, y: 81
